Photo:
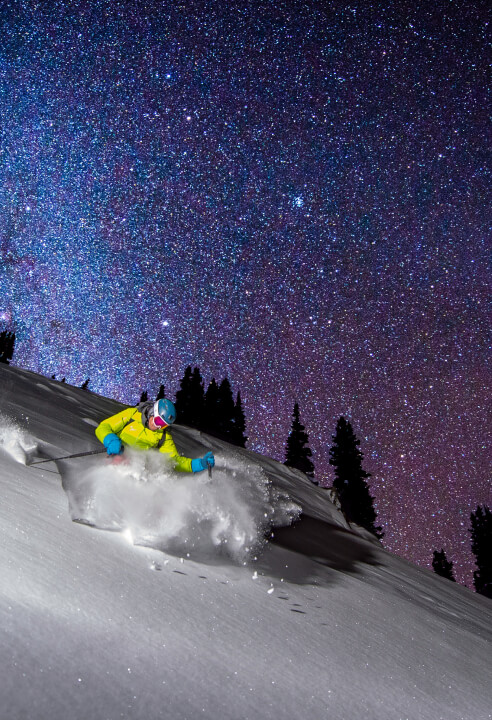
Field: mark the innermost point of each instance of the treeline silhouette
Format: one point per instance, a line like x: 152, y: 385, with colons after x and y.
x: 214, y: 410
x: 481, y: 545
x: 350, y: 489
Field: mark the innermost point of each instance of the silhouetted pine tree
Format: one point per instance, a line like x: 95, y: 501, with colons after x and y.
x: 442, y: 566
x: 297, y: 452
x: 190, y: 399
x: 211, y: 414
x: 85, y: 385
x: 350, y: 479
x: 238, y: 436
x: 7, y: 343
x: 225, y: 410
x: 183, y: 396
x: 144, y: 396
x: 481, y: 536
x: 222, y: 417
x: 162, y: 393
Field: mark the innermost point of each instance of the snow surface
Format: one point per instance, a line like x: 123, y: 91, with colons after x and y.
x: 185, y: 611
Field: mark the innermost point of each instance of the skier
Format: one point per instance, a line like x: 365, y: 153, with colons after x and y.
x: 147, y: 426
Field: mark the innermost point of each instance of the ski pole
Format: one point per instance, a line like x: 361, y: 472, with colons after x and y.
x: 67, y: 457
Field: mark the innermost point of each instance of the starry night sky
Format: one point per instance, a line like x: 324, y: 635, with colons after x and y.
x: 292, y: 194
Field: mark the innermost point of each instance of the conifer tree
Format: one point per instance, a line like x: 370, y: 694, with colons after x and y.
x: 144, y: 396
x: 197, y: 397
x: 211, y: 414
x: 162, y: 393
x: 238, y: 436
x: 225, y: 410
x: 183, y: 397
x: 190, y: 398
x: 442, y: 566
x: 350, y: 479
x: 481, y: 535
x: 85, y: 385
x: 297, y: 452
x: 7, y: 343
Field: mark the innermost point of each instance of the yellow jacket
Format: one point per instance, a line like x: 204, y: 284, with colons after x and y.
x: 129, y: 427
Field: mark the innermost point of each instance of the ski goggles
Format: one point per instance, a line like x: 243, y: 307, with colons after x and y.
x: 160, y: 422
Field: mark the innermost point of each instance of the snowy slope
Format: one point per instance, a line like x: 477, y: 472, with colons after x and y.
x: 187, y: 624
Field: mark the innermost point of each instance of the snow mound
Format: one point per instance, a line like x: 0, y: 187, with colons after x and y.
x: 180, y: 513
x: 16, y: 442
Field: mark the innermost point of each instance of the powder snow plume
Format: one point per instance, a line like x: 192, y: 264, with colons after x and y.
x: 180, y: 513
x: 15, y: 441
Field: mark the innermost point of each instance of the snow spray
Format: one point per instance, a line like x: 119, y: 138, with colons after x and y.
x: 16, y: 442
x: 181, y: 513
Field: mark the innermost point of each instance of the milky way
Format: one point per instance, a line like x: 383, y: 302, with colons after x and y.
x: 292, y: 194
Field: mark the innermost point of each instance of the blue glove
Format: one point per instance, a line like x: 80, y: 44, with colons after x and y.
x: 113, y: 444
x: 203, y: 463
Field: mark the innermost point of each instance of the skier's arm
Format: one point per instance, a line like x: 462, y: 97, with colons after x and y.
x: 114, y: 424
x: 180, y: 463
